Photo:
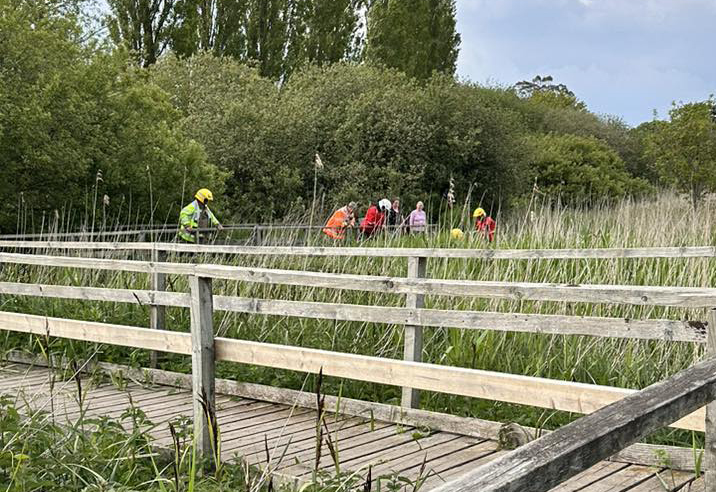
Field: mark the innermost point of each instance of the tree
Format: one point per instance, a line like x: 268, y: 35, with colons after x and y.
x: 543, y: 90
x: 684, y: 148
x: 415, y: 36
x: 76, y: 124
x: 578, y: 169
x: 143, y: 26
x: 278, y: 36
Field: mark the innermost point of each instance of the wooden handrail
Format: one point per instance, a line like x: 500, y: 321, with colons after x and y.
x: 552, y: 459
x: 689, y: 297
x: 651, y: 329
x: 526, y: 390
x: 474, y: 253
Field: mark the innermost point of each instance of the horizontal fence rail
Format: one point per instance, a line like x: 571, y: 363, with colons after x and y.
x: 688, y: 297
x: 652, y: 329
x: 548, y: 461
x: 511, y: 388
x: 487, y: 253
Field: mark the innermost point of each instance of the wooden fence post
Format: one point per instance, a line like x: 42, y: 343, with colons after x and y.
x: 413, y: 347
x: 710, y: 445
x: 157, y: 314
x: 202, y: 362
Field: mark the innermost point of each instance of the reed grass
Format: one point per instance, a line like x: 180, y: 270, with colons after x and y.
x: 667, y: 220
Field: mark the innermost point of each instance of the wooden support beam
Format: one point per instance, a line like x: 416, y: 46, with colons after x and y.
x: 710, y: 423
x: 550, y: 460
x: 157, y: 312
x: 202, y: 366
x: 413, y: 335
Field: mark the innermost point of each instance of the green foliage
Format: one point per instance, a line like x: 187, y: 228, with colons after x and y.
x: 377, y: 130
x: 142, y: 26
x: 76, y: 124
x: 278, y: 36
x: 415, y: 36
x: 684, y: 148
x: 542, y: 91
x: 580, y: 169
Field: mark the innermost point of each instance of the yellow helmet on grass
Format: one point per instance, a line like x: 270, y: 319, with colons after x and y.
x: 457, y: 233
x: 479, y: 212
x: 203, y: 195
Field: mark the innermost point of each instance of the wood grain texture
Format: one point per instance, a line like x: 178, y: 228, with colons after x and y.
x: 647, y: 329
x: 202, y: 363
x: 546, y: 462
x: 488, y: 253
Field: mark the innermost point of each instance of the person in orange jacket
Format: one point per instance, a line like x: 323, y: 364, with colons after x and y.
x: 484, y: 224
x: 343, y: 217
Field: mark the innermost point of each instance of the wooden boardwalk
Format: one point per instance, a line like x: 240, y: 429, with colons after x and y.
x: 245, y: 424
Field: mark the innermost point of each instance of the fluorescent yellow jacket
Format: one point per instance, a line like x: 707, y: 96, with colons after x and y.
x: 189, y: 217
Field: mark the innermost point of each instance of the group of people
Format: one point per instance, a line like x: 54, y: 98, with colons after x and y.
x: 385, y: 215
x: 381, y: 215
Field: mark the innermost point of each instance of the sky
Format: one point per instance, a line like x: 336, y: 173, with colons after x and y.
x: 621, y: 57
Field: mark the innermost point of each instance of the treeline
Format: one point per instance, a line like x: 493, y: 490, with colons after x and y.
x: 89, y: 135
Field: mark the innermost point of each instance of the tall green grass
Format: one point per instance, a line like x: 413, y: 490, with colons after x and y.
x: 666, y: 221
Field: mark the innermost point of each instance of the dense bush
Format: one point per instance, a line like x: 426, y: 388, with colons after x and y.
x: 76, y: 123
x: 580, y: 169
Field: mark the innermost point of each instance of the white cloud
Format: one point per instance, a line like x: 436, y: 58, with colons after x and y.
x: 623, y: 57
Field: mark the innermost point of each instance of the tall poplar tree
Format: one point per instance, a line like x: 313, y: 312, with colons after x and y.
x: 414, y: 36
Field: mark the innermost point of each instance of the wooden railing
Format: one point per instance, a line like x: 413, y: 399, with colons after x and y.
x: 378, y: 252
x: 546, y: 462
x: 411, y: 373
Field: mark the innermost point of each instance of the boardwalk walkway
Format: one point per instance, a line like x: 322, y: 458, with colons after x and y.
x: 290, y: 432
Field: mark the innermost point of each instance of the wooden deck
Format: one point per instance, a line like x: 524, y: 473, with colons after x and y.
x: 290, y: 433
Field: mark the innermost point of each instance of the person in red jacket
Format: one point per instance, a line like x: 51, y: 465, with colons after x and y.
x: 484, y: 224
x: 374, y: 219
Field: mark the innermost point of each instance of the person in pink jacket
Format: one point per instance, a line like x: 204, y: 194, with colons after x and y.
x: 417, y: 220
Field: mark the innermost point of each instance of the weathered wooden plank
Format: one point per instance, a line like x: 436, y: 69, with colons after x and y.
x: 88, y: 331
x: 540, y: 392
x: 406, y: 454
x: 692, y: 297
x: 202, y: 364
x: 131, y: 296
x: 438, y: 470
x: 710, y: 420
x: 469, y: 449
x: 466, y: 253
x: 260, y: 425
x: 303, y: 462
x: 623, y: 479
x: 657, y: 329
x: 301, y: 439
x: 546, y: 462
x: 413, y: 334
x: 666, y: 480
x: 589, y: 476
x: 157, y: 312
x: 490, y: 451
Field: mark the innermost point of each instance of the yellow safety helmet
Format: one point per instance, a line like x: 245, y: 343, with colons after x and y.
x: 457, y: 233
x: 479, y: 212
x: 203, y: 195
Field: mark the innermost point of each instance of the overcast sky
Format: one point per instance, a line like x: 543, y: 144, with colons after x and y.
x: 622, y: 57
